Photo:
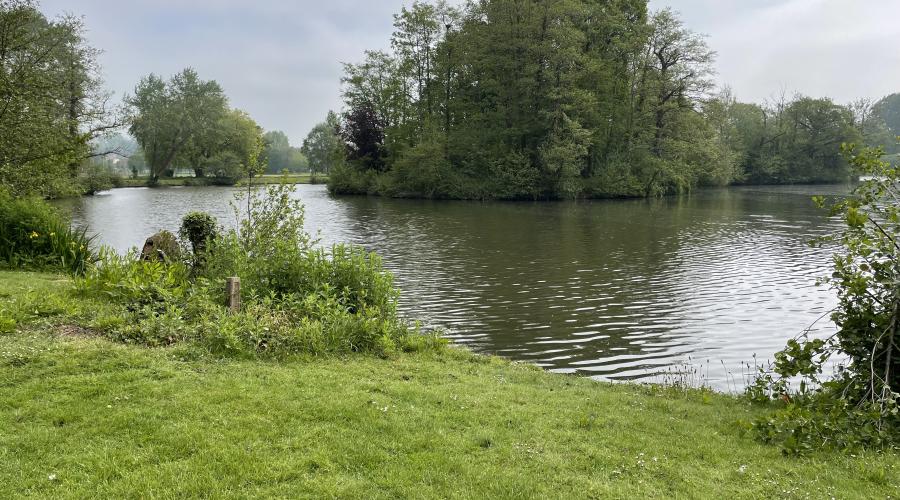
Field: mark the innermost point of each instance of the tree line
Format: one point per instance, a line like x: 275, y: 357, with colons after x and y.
x: 59, y: 128
x: 52, y: 102
x: 498, y: 99
x: 528, y: 99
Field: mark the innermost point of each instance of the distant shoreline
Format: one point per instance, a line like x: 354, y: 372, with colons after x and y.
x: 203, y: 181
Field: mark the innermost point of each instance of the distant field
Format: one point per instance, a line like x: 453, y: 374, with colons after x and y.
x: 304, y: 178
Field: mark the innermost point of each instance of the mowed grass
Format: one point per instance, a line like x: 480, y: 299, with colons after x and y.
x: 84, y: 417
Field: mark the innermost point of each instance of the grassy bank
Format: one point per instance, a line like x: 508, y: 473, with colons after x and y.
x: 83, y: 416
x: 261, y: 180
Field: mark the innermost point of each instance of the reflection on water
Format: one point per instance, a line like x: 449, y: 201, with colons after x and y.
x: 611, y: 289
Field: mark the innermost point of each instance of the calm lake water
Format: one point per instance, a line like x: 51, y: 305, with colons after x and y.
x: 617, y: 290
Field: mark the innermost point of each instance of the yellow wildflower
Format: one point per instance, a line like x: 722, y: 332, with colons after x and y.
x: 33, y: 235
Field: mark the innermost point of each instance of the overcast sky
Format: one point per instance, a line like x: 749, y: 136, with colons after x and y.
x: 280, y: 60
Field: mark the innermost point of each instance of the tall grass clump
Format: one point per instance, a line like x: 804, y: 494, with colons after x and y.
x: 34, y: 235
x: 298, y: 299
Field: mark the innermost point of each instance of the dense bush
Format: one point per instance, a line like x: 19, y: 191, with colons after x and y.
x: 135, y: 282
x: 96, y: 177
x: 344, y: 179
x: 860, y: 405
x: 33, y: 234
x: 198, y: 228
x: 298, y: 299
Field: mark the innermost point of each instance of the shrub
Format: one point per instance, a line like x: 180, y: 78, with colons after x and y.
x: 345, y: 179
x: 198, y: 228
x: 33, y: 234
x: 860, y: 406
x: 298, y: 299
x: 273, y: 255
x: 133, y: 282
x: 97, y: 177
x: 297, y: 325
x: 422, y: 171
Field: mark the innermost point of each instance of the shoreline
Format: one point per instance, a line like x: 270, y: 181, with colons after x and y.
x: 210, y: 182
x: 91, y: 416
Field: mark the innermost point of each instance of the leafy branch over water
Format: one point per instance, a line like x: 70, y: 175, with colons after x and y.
x: 860, y: 406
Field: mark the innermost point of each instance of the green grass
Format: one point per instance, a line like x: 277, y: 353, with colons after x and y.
x: 261, y: 180
x: 81, y: 416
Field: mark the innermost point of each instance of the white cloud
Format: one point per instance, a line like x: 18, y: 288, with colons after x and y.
x: 833, y: 48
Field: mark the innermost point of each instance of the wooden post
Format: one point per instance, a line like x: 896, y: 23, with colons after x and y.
x: 233, y: 294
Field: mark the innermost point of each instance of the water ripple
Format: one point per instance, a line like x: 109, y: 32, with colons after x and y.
x: 620, y: 290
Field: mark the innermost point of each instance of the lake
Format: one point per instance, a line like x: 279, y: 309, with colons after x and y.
x: 687, y: 287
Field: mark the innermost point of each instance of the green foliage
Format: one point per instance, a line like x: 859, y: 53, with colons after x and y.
x: 281, y: 156
x: 198, y: 228
x: 525, y: 100
x: 95, y: 177
x: 567, y: 99
x: 860, y: 405
x: 273, y: 255
x: 792, y: 141
x: 173, y: 118
x: 886, y: 126
x: 134, y: 282
x: 239, y: 154
x: 423, y: 171
x: 344, y: 179
x: 323, y: 146
x: 53, y: 101
x: 187, y: 121
x: 298, y: 298
x: 34, y: 235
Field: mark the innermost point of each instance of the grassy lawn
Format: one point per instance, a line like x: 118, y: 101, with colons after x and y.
x: 81, y: 416
x: 263, y: 179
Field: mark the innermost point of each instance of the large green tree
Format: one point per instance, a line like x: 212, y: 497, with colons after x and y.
x: 177, y: 119
x: 534, y: 99
x: 281, y: 155
x: 323, y: 147
x: 239, y: 151
x: 885, y: 123
x: 52, y: 104
x: 791, y: 141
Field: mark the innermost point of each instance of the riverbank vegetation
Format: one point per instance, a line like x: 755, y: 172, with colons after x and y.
x: 59, y: 127
x: 298, y: 298
x: 860, y: 404
x: 439, y: 423
x: 534, y: 100
x: 260, y: 180
x: 187, y: 119
x: 53, y: 103
x: 33, y: 235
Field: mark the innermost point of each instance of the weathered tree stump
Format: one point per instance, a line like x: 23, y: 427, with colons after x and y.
x: 162, y: 246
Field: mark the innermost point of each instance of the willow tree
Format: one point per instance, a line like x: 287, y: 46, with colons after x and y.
x: 179, y: 117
